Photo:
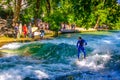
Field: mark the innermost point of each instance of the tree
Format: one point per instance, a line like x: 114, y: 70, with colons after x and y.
x: 17, y: 8
x: 84, y: 13
x: 55, y: 19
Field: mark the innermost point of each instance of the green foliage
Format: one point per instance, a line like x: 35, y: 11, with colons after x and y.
x: 55, y: 20
x: 117, y: 25
x: 70, y: 18
x: 84, y: 13
x: 26, y: 15
x: 54, y: 26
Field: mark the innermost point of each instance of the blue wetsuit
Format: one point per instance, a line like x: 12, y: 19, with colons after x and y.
x: 80, y: 46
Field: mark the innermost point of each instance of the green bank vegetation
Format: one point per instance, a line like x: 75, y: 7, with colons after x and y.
x: 83, y: 13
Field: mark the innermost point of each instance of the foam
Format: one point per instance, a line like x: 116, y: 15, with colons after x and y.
x: 91, y: 62
x: 27, y: 67
x: 12, y: 46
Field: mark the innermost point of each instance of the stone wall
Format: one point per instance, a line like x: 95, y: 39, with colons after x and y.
x: 5, y: 30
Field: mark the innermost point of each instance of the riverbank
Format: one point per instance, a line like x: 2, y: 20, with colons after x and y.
x: 49, y: 35
x: 5, y: 40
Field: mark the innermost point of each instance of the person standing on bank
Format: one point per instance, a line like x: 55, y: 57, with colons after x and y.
x: 42, y: 33
x: 20, y: 28
x: 16, y: 29
x: 30, y: 30
x: 25, y: 30
x: 80, y: 46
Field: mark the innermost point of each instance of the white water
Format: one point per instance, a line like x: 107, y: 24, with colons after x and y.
x: 11, y: 46
x: 95, y: 62
x: 28, y: 67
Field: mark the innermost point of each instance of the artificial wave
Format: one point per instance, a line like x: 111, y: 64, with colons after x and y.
x: 57, y: 59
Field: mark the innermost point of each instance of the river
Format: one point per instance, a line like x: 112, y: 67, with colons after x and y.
x: 56, y: 59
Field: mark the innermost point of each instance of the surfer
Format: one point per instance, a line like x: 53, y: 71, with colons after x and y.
x: 80, y: 46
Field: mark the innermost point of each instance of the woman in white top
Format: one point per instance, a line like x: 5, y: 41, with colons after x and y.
x: 20, y: 29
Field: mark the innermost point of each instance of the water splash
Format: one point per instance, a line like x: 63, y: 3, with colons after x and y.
x: 56, y: 59
x: 94, y: 62
x: 12, y: 46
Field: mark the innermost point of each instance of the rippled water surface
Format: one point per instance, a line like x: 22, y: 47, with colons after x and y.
x: 56, y: 59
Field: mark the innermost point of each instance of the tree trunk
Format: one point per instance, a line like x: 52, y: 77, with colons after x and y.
x: 48, y: 6
x: 97, y: 23
x: 17, y: 10
x: 37, y: 11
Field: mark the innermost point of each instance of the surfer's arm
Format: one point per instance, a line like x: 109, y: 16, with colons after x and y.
x: 85, y: 42
x: 77, y: 44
